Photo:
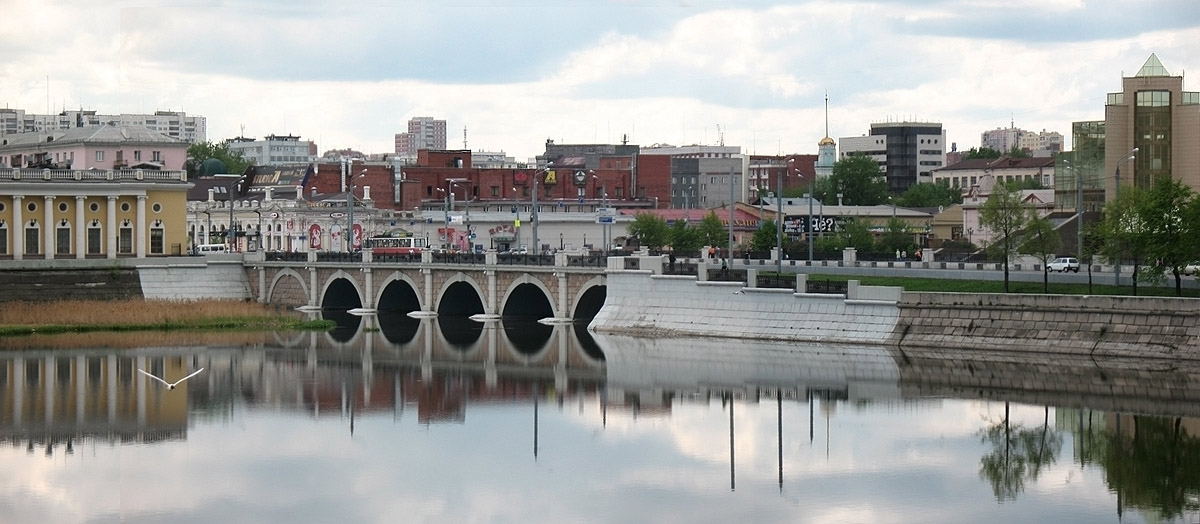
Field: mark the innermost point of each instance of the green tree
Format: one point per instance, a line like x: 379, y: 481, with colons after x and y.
x: 651, y: 231
x: 1171, y: 230
x: 930, y: 195
x: 712, y: 230
x: 1042, y: 241
x: 685, y: 238
x: 200, y: 151
x: 1124, y: 228
x: 896, y: 237
x: 764, y: 237
x: 859, y: 180
x: 1016, y: 152
x: 983, y: 152
x: 1005, y: 216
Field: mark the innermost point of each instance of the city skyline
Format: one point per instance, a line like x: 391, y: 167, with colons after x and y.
x: 753, y: 76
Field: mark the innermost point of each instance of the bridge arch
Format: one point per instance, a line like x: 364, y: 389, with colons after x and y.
x: 455, y: 287
x: 287, y: 288
x: 396, y: 298
x: 341, y: 291
x: 519, y: 289
x: 589, y: 298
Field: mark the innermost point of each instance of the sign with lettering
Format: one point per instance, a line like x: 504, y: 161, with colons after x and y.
x: 793, y: 224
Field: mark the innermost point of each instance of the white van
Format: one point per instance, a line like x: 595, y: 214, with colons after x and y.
x: 204, y: 249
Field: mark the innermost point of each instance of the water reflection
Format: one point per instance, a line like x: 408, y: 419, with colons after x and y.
x: 526, y: 335
x: 785, y: 432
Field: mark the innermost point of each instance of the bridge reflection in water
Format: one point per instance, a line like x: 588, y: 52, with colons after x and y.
x: 433, y: 369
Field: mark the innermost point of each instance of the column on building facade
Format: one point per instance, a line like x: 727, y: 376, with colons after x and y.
x: 111, y: 246
x: 80, y: 228
x: 139, y: 228
x: 48, y: 226
x: 18, y: 229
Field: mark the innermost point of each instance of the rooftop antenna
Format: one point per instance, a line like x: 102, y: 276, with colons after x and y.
x: 464, y: 137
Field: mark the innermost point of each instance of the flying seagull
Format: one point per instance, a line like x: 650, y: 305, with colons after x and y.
x: 170, y: 385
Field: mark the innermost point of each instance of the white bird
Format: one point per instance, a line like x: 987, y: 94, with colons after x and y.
x: 170, y: 385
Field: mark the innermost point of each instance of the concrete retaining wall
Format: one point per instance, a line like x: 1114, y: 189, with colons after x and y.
x: 40, y: 285
x: 1112, y: 326
x: 220, y: 280
x: 641, y: 303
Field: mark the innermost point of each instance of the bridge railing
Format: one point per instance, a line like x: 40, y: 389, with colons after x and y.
x: 587, y: 261
x: 459, y: 258
x: 509, y: 259
x: 285, y: 256
x: 338, y: 256
x: 412, y: 258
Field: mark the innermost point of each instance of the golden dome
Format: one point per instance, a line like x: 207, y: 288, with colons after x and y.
x: 826, y: 142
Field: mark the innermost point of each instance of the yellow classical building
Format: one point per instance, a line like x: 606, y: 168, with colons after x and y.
x: 52, y: 213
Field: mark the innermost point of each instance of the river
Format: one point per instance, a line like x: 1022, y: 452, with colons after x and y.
x: 390, y: 419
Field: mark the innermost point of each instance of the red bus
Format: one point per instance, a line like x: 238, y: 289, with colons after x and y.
x: 396, y: 245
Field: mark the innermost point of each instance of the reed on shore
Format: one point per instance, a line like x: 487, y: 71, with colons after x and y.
x: 64, y: 316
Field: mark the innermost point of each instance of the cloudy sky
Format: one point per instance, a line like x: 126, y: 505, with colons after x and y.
x: 515, y: 73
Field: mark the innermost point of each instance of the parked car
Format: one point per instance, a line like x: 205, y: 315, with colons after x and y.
x: 1192, y: 268
x: 1064, y: 264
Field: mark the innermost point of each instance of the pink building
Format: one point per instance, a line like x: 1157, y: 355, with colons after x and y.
x: 99, y: 147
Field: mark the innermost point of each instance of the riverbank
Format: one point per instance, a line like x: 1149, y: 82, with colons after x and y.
x: 83, y: 316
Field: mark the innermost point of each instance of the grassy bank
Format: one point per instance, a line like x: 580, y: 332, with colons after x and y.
x: 82, y: 316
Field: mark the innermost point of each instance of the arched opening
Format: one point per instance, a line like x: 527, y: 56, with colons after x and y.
x: 527, y: 301
x: 590, y: 303
x: 340, y: 297
x: 396, y: 301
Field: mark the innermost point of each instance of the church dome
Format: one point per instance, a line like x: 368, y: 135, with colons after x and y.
x: 826, y: 142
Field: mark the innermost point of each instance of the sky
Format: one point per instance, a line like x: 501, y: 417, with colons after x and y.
x: 510, y: 74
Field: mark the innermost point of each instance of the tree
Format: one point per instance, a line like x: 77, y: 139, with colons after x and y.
x: 712, y: 230
x: 1016, y: 152
x: 201, y: 151
x: 930, y: 195
x: 1171, y: 230
x: 1124, y: 230
x: 896, y: 237
x: 1005, y: 216
x: 860, y: 181
x: 764, y: 238
x: 1042, y: 241
x: 983, y: 152
x: 650, y: 230
x: 685, y: 238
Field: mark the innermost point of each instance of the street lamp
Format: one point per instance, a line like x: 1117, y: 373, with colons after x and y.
x: 779, y: 220
x: 604, y: 205
x: 350, y: 200
x: 1117, y: 196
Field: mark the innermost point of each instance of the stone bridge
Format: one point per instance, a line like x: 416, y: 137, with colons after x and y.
x: 560, y: 286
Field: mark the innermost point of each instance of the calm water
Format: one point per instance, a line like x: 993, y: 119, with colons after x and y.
x: 518, y: 422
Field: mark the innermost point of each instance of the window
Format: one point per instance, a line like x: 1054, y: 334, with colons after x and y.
x: 157, y: 208
x: 1153, y: 98
x: 32, y: 207
x: 3, y: 238
x: 125, y: 206
x: 93, y: 238
x: 156, y: 239
x: 62, y: 238
x: 94, y: 207
x: 495, y: 191
x: 99, y: 156
x: 125, y: 238
x: 62, y: 207
x: 32, y: 238
x: 137, y: 156
x: 1191, y: 97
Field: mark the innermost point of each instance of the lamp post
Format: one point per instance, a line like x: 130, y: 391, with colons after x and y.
x: 349, y: 214
x: 779, y: 221
x: 258, y: 232
x: 604, y: 205
x: 207, y: 227
x: 534, y: 212
x: 729, y: 253
x: 231, y: 234
x: 1117, y: 196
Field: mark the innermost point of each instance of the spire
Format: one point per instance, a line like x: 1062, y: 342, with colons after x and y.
x: 826, y: 141
x: 1152, y: 67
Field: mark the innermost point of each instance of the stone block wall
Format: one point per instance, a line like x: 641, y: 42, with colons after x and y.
x: 1111, y: 326
x: 39, y: 285
x: 211, y: 280
x: 641, y: 303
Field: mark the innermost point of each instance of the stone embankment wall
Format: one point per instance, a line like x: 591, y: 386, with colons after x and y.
x: 40, y: 285
x: 641, y: 303
x: 174, y: 278
x: 1110, y: 326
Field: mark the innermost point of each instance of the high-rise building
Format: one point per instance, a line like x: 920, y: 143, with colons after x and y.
x: 1038, y: 144
x: 907, y: 151
x: 424, y: 132
x: 274, y: 150
x: 175, y: 124
x: 1153, y: 114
